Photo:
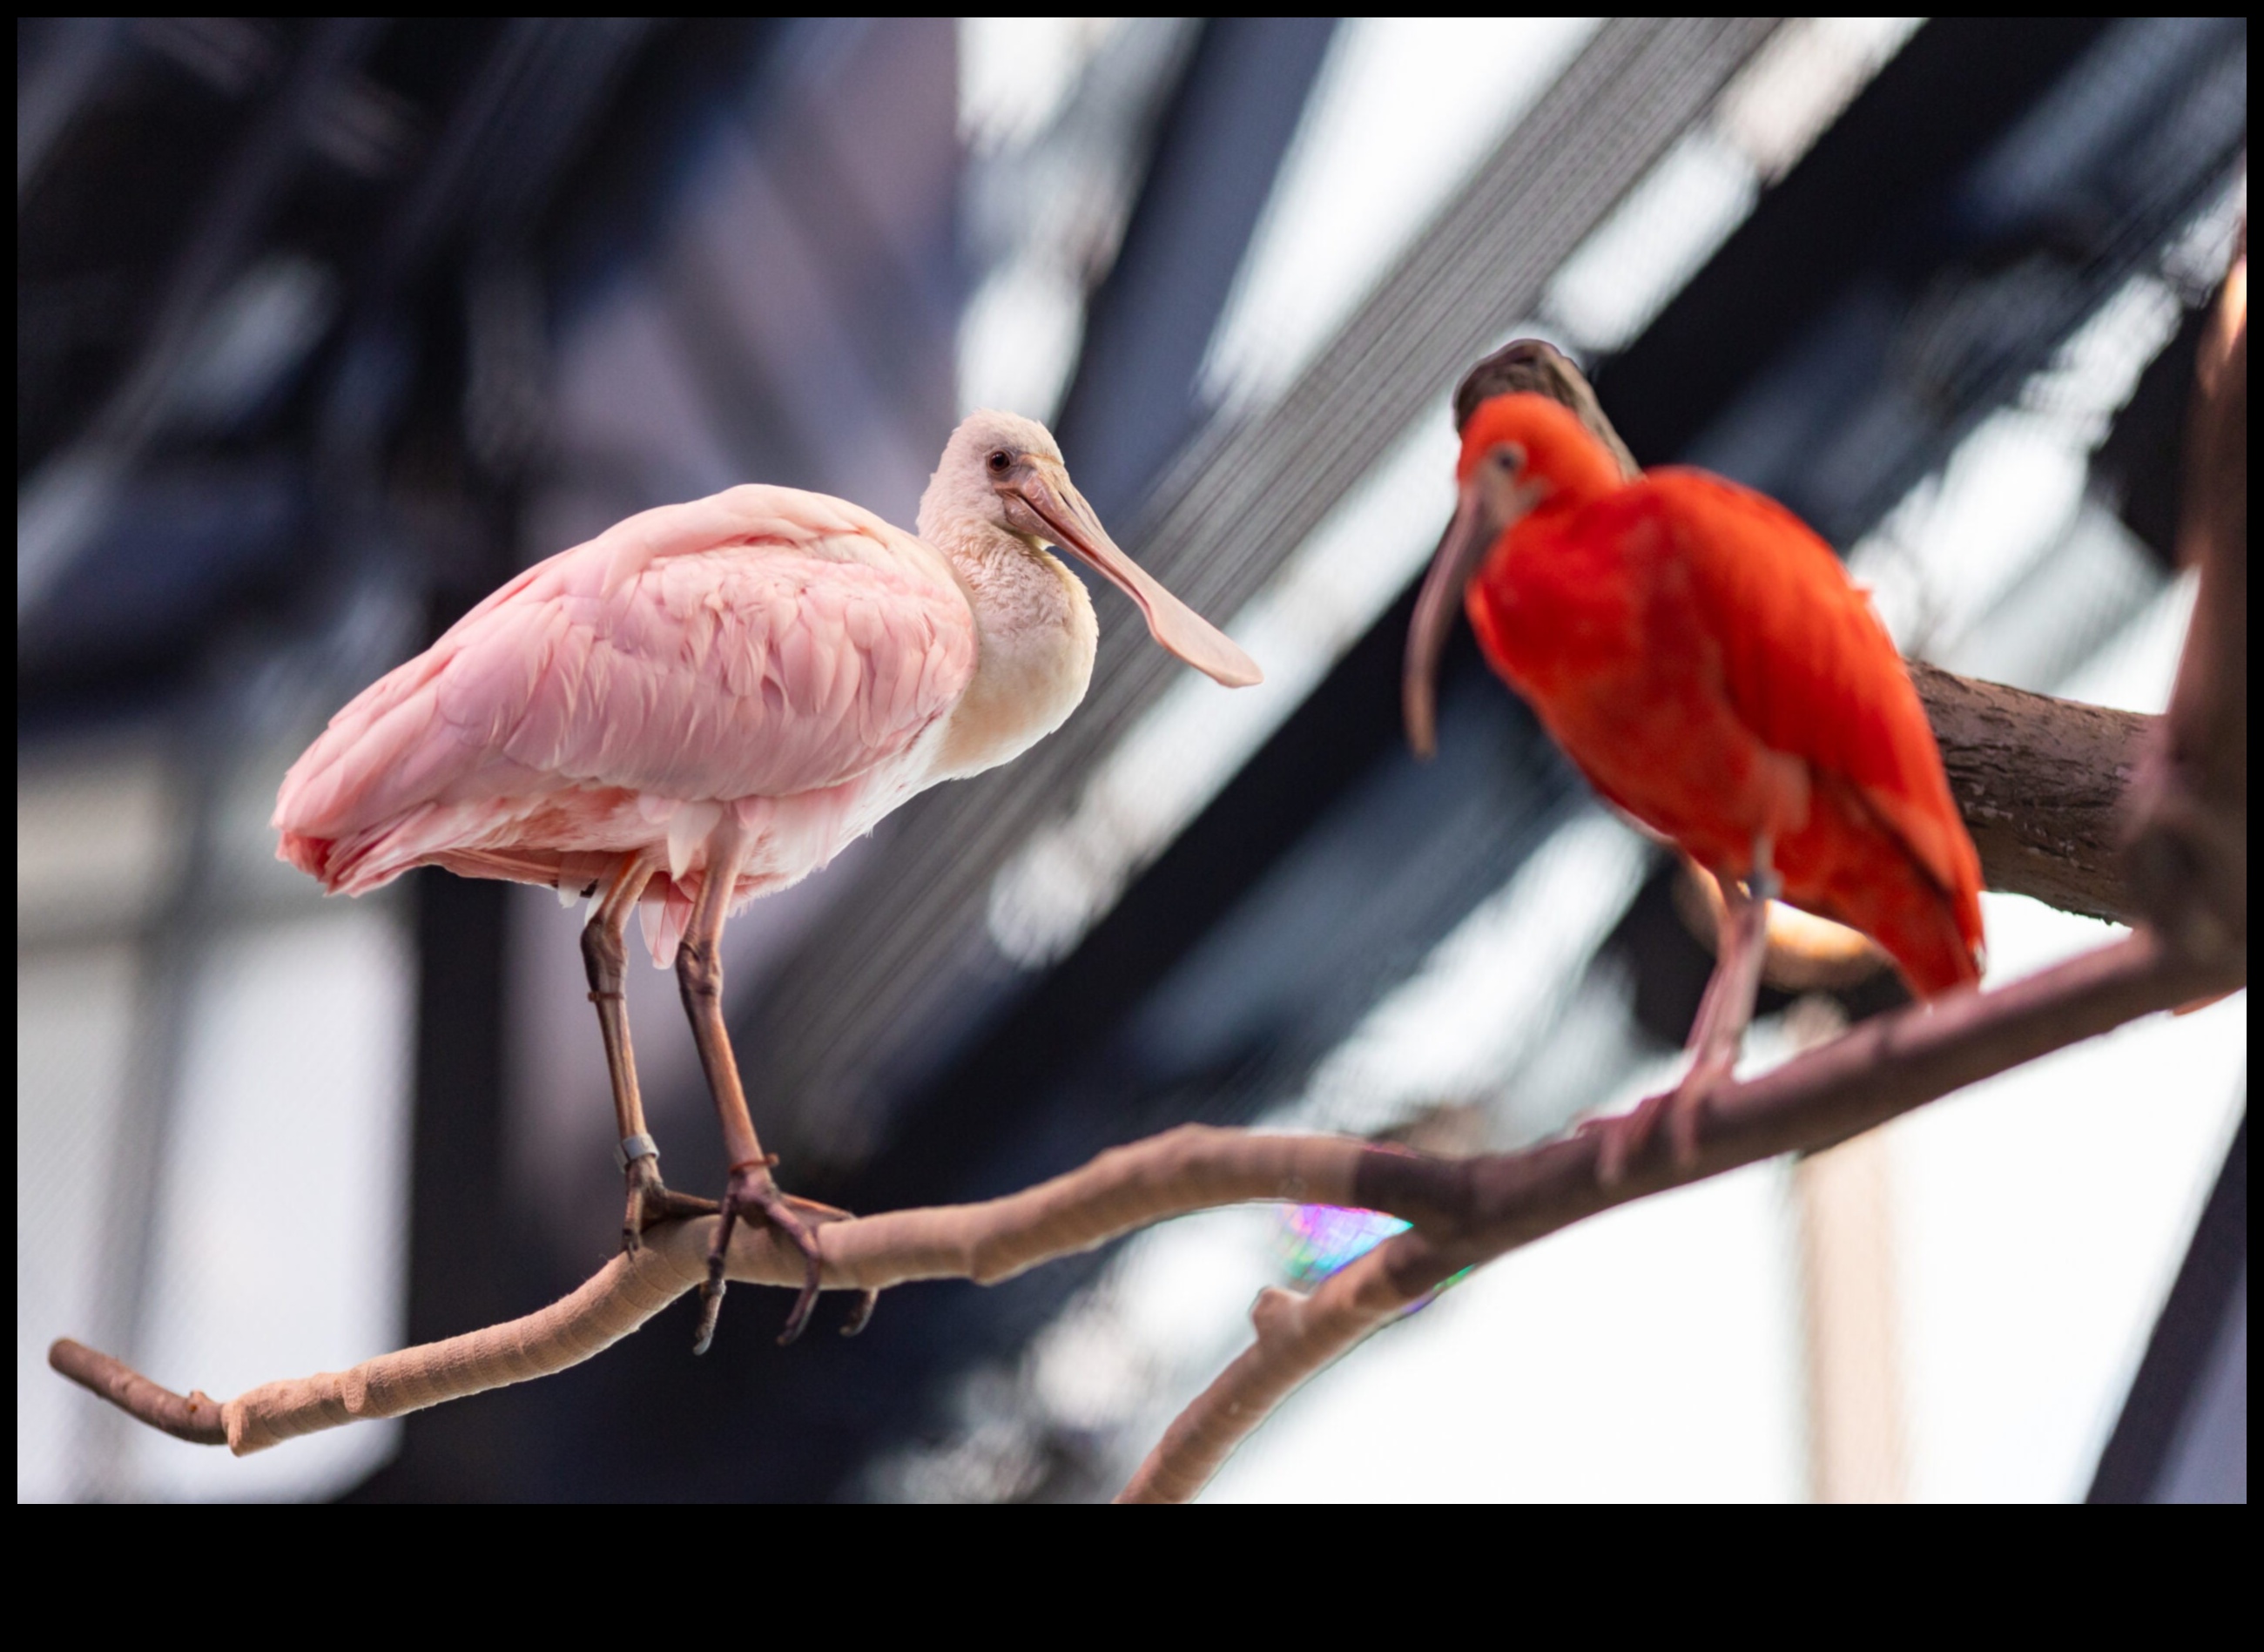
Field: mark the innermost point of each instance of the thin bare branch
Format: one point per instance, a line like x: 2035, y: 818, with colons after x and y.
x: 1191, y: 1168
x: 1472, y: 1210
x: 193, y: 1416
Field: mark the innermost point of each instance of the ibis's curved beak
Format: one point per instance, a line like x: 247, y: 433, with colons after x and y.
x: 1062, y: 515
x: 1480, y: 519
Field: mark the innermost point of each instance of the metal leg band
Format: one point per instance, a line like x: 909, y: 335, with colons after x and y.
x: 633, y: 1148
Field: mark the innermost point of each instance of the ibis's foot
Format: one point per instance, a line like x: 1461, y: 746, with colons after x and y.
x: 752, y: 1191
x: 861, y: 1315
x: 1626, y: 1135
x: 1623, y: 1136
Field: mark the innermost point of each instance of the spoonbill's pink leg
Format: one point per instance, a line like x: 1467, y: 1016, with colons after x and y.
x: 1719, y: 1033
x: 699, y: 974
x: 604, y: 956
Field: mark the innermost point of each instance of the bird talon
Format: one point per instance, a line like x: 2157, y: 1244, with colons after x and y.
x: 752, y: 1192
x: 647, y: 1202
x: 780, y: 1216
x: 861, y: 1315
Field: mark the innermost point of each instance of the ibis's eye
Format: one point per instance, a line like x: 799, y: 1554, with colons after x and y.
x: 1000, y: 462
x: 1509, y: 458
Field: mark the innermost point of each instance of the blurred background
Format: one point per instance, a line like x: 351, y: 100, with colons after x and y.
x: 324, y: 328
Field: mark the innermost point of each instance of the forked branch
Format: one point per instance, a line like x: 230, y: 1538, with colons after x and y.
x: 1472, y: 1210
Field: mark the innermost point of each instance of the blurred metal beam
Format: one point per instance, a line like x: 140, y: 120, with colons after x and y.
x: 1893, y: 315
x: 1133, y: 400
x: 1858, y: 200
x: 54, y: 80
x: 515, y: 128
x: 65, y: 501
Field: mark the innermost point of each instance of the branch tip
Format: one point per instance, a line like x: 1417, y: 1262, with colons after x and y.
x: 194, y: 1417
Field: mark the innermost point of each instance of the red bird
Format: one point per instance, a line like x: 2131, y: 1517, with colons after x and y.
x: 1702, y: 657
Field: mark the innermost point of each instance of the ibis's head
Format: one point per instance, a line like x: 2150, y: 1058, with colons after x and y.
x: 1006, y: 471
x: 1519, y: 451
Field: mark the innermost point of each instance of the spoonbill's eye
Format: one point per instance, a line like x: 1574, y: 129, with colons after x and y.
x: 1000, y: 462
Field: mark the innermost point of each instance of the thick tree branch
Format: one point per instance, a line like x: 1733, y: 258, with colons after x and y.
x: 2039, y: 782
x: 1472, y: 1210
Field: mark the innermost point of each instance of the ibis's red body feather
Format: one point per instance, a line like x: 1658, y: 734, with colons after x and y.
x: 1704, y: 658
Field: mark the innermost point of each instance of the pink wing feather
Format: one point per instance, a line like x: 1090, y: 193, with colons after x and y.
x: 759, y: 643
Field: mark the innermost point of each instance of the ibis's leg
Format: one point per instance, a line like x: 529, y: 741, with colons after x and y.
x: 604, y: 956
x: 1717, y: 1034
x: 1727, y: 1009
x: 750, y: 1189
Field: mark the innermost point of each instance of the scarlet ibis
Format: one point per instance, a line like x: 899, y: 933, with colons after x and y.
x: 704, y: 703
x: 1703, y: 658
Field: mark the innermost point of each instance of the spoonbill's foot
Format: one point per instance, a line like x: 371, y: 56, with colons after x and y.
x: 651, y: 1201
x: 752, y: 1192
x: 646, y: 1191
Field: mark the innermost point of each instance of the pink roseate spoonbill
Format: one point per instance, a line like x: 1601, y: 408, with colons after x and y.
x: 703, y: 704
x: 1703, y: 658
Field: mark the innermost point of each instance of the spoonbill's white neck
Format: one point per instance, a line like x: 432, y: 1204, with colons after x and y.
x: 1036, y: 632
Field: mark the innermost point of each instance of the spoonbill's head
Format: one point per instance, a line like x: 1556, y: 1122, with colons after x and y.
x: 1006, y: 472
x: 1519, y: 451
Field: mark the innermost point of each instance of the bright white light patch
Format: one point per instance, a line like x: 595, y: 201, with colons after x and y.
x: 1797, y: 84
x: 1962, y: 537
x: 1405, y: 110
x: 1639, y: 258
x: 281, y: 1245
x: 2044, y: 1215
x: 1015, y: 72
x: 1647, y: 1355
x: 1487, y: 992
x: 2135, y: 671
x: 1019, y: 339
x: 1659, y: 236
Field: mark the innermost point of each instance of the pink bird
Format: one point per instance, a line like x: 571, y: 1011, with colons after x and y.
x: 705, y: 703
